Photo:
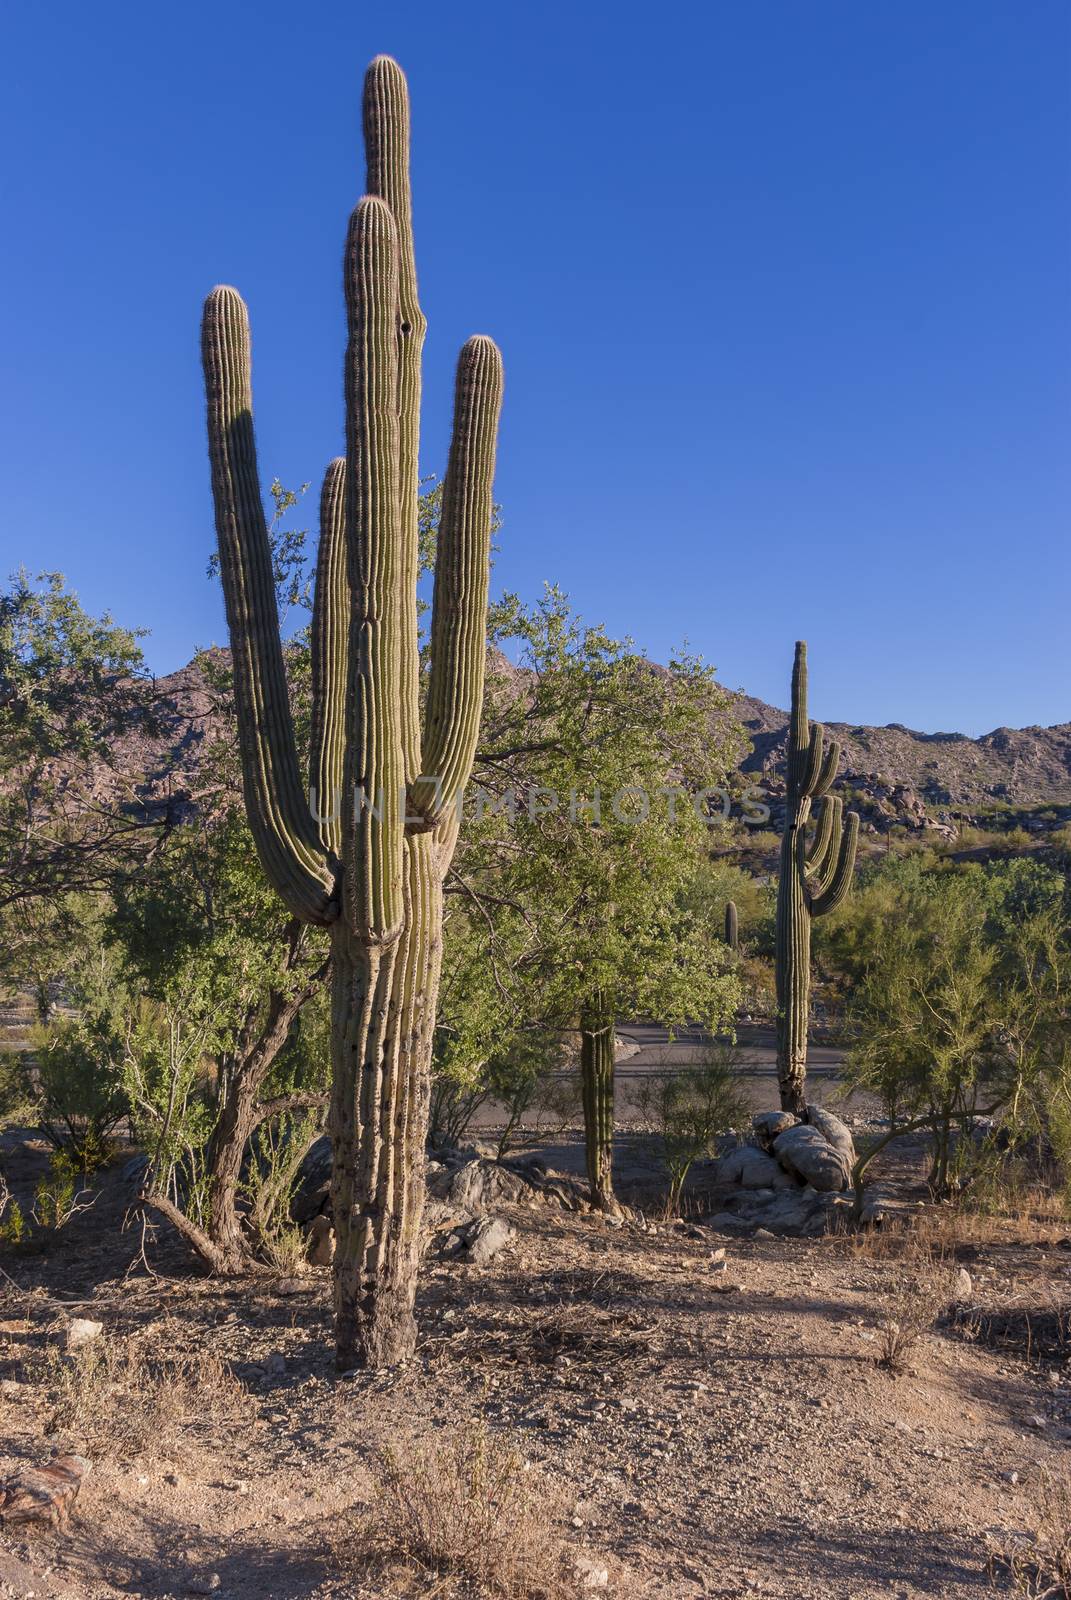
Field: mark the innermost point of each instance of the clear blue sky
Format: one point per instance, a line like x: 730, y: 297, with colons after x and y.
x: 782, y: 288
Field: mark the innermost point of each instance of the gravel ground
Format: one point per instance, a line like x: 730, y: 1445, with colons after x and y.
x: 715, y: 1425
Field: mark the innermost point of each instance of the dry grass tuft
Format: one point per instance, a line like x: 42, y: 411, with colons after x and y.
x: 1038, y: 1563
x: 468, y: 1510
x: 1015, y: 1215
x: 916, y: 1303
x: 1034, y: 1323
x: 123, y: 1397
x: 583, y: 1335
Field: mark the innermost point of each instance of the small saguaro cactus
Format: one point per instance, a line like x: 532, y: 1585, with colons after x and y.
x: 364, y: 852
x: 816, y: 874
x: 597, y: 1052
x: 732, y: 925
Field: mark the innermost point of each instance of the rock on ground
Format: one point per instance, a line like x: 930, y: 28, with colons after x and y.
x: 768, y: 1124
x: 82, y: 1331
x: 44, y: 1494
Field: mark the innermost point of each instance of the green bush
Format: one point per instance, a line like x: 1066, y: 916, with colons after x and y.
x: 688, y: 1110
x: 80, y: 1099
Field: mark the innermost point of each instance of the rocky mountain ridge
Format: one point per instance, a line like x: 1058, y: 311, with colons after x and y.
x: 896, y: 774
x: 892, y: 774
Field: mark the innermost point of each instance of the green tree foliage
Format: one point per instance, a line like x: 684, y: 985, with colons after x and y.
x: 72, y: 687
x: 961, y: 997
x: 584, y: 831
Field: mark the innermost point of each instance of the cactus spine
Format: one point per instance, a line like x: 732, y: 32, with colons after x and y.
x: 816, y: 874
x: 366, y: 857
x: 732, y: 925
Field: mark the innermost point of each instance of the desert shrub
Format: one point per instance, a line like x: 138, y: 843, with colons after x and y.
x: 454, y: 1103
x: 759, y: 985
x: 16, y: 1090
x: 762, y: 840
x: 123, y: 1397
x: 12, y: 1221
x: 57, y: 1197
x: 912, y: 1308
x: 276, y: 1153
x: 1037, y: 1562
x: 80, y: 1099
x: 961, y: 987
x: 466, y: 1506
x: 688, y: 1110
x: 524, y: 1076
x: 529, y: 1082
x: 716, y: 882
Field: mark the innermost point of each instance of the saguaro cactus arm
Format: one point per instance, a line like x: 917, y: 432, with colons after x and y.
x: 374, y: 801
x: 821, y: 845
x: 459, y: 610
x: 329, y: 652
x: 287, y: 836
x: 386, y: 140
x: 834, y: 891
x: 830, y: 764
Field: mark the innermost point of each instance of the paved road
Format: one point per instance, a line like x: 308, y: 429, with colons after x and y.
x: 658, y: 1053
x: 757, y: 1048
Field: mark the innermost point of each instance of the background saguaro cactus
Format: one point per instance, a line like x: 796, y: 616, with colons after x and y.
x: 597, y: 1088
x: 732, y: 925
x: 365, y: 851
x: 816, y: 874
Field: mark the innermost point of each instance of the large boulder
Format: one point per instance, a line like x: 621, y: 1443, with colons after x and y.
x: 477, y: 1243
x: 461, y: 1183
x: 807, y: 1154
x: 833, y: 1131
x: 752, y: 1169
x: 768, y: 1124
x: 314, y: 1182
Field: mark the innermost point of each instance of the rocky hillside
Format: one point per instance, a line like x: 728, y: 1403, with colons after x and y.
x: 942, y: 781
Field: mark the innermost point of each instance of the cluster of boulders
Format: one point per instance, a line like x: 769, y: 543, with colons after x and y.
x: 464, y: 1185
x: 788, y: 1175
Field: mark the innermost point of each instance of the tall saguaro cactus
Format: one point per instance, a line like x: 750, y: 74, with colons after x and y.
x: 364, y: 851
x: 816, y: 874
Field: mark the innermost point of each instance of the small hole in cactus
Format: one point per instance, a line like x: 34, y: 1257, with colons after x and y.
x: 407, y: 327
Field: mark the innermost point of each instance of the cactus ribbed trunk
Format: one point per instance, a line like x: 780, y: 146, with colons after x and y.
x: 597, y: 1084
x: 815, y: 876
x: 793, y: 976
x: 732, y: 925
x: 383, y: 1018
x: 367, y: 863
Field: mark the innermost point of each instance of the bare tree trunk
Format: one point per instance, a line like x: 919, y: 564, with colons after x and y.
x: 240, y: 1113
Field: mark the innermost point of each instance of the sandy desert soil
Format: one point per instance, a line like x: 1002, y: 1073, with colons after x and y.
x: 717, y: 1428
